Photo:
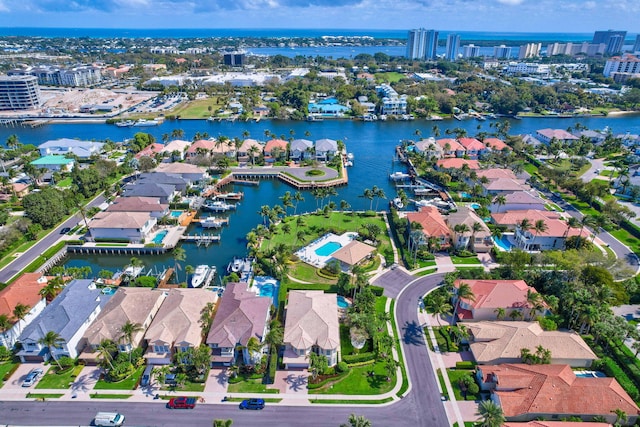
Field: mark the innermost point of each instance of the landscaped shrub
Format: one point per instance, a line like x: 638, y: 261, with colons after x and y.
x: 609, y: 367
x: 342, y: 367
x: 377, y: 290
x: 370, y: 214
x: 357, y: 358
x: 66, y: 362
x: 5, y: 354
x: 273, y: 366
x: 146, y: 281
x: 465, y: 365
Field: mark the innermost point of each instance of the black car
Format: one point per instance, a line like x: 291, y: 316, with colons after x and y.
x: 65, y: 230
x: 252, y: 404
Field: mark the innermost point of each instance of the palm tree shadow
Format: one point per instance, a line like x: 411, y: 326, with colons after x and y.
x: 85, y: 383
x: 222, y: 377
x: 296, y: 383
x: 412, y: 334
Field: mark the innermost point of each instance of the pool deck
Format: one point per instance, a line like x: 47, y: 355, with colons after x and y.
x: 308, y: 253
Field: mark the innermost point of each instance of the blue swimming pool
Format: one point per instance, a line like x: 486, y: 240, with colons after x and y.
x: 328, y: 248
x: 160, y: 237
x: 176, y: 214
x: 267, y: 287
x: 589, y: 374
x: 465, y: 195
x: 108, y: 291
x: 267, y: 290
x: 503, y: 243
x: 342, y: 302
x: 475, y: 206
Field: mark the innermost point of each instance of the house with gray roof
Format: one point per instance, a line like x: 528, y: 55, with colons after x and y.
x: 64, y: 146
x: 241, y: 315
x: 164, y: 192
x: 518, y: 201
x: 326, y: 149
x: 191, y: 173
x: 176, y: 180
x: 69, y: 315
x: 300, y: 149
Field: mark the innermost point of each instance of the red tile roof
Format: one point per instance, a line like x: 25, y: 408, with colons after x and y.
x: 497, y: 293
x: 206, y: 144
x: 25, y: 290
x: 150, y: 151
x: 453, y: 144
x: 432, y: 221
x: 554, y: 389
x: 472, y: 144
x: 275, y: 143
x: 457, y: 163
x: 496, y: 144
x: 495, y: 173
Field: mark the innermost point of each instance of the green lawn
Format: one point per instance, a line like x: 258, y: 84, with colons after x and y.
x: 454, y: 376
x: 188, y: 386
x: 427, y: 263
x: 426, y: 272
x: 267, y: 400
x: 359, y: 381
x: 307, y: 273
x: 405, y: 381
x: 43, y: 396
x: 5, y: 368
x: 625, y: 237
x: 352, y: 402
x: 250, y: 386
x: 392, y: 77
x: 109, y: 396
x: 52, y: 380
x: 126, y: 384
x: 198, y: 109
x: 65, y: 182
x: 442, y: 384
x: 465, y: 260
x: 475, y: 269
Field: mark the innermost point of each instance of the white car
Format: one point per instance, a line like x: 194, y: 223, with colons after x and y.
x: 32, y: 377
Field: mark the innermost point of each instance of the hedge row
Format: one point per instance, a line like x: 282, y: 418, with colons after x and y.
x: 465, y: 365
x: 273, y: 365
x: 357, y: 358
x: 365, y: 363
x: 325, y: 381
x: 377, y: 290
x: 611, y: 369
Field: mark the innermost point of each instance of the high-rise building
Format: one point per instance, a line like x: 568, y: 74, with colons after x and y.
x: 628, y: 64
x: 234, y: 59
x: 529, y: 50
x: 470, y: 51
x: 453, y: 46
x: 636, y: 45
x: 614, y: 40
x: 19, y: 93
x: 502, y: 52
x: 422, y: 44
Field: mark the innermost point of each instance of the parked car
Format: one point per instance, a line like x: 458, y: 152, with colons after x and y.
x: 182, y: 403
x: 170, y: 379
x: 32, y: 377
x: 252, y: 404
x: 65, y: 230
x: 146, y: 376
x: 104, y: 419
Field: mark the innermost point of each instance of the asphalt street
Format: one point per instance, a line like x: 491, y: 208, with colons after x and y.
x: 421, y: 407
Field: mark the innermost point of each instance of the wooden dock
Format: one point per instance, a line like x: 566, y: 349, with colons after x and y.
x: 164, y: 277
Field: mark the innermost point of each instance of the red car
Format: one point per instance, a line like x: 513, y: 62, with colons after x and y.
x: 182, y: 403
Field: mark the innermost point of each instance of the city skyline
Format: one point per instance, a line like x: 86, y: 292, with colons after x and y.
x: 453, y: 15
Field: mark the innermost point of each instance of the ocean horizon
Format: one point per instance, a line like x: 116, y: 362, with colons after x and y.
x: 186, y: 33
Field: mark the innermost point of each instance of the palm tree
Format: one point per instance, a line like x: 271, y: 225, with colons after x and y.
x: 378, y: 193
x: 264, y: 212
x: 534, y: 300
x: 587, y: 221
x: 369, y: 194
x: 539, y: 227
x: 500, y: 200
x: 50, y: 340
x: 500, y: 313
x: 462, y: 292
x: 5, y: 325
x: 206, y: 317
x: 460, y: 229
x: 475, y: 228
x: 491, y: 414
x: 20, y: 311
x: 52, y: 289
x: 128, y: 330
x: 179, y: 255
x: 621, y: 416
x: 357, y: 421
x: 254, y: 346
x: 105, y: 351
x: 275, y: 336
x: 297, y: 197
x: 253, y: 152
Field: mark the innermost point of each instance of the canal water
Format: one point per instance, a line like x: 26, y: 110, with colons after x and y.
x: 372, y: 144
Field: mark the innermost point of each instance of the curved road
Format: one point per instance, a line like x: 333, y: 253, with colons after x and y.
x: 420, y: 408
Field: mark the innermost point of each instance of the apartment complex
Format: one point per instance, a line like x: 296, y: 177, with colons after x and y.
x: 470, y: 51
x: 453, y: 46
x: 573, y: 49
x: 613, y: 40
x: 529, y: 50
x: 502, y: 52
x: 422, y: 44
x: 81, y: 75
x: 19, y: 93
x: 622, y: 67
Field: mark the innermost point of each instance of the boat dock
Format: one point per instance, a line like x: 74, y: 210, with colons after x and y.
x: 164, y: 277
x: 200, y: 239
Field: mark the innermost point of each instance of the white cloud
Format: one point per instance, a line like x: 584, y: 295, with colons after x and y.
x: 511, y: 2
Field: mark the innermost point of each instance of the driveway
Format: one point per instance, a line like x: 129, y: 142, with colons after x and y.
x: 218, y: 381
x: 15, y: 382
x: 596, y: 165
x: 88, y: 378
x: 393, y: 281
x: 292, y: 382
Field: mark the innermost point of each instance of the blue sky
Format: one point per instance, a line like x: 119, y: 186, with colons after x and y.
x: 460, y: 15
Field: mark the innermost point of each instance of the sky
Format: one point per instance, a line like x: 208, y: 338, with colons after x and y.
x: 581, y: 16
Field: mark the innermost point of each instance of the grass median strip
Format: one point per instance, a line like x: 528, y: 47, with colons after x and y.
x: 110, y: 396
x: 44, y: 395
x: 352, y: 402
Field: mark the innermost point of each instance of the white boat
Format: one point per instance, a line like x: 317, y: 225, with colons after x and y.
x: 236, y: 266
x: 399, y: 176
x: 146, y: 123
x: 218, y: 206
x: 397, y: 202
x: 422, y: 203
x: 125, y: 124
x: 350, y: 156
x: 200, y: 275
x: 230, y: 196
x: 132, y: 271
x: 348, y: 163
x: 211, y: 222
x: 383, y: 117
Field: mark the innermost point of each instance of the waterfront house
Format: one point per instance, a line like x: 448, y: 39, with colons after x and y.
x: 593, y: 136
x: 275, y: 149
x: 529, y: 392
x: 496, y: 144
x: 24, y: 290
x: 477, y: 241
x: 192, y: 174
x: 201, y: 148
x: 177, y: 181
x: 54, y: 163
x: 176, y: 326
x: 137, y: 306
x: 451, y: 147
x: 241, y: 315
x: 69, y: 315
x: 433, y: 226
x: 164, y: 192
x: 456, y: 163
x: 473, y: 147
x: 325, y: 149
x: 510, y: 219
x: 518, y: 201
x: 429, y: 148
x: 64, y: 146
x: 249, y: 149
x: 175, y: 149
x: 311, y: 325
x: 300, y: 149
x: 496, y: 342
x: 150, y: 151
x: 498, y: 186
x: 495, y: 173
x: 352, y: 254
x: 131, y: 227
x: 560, y: 135
x: 490, y: 296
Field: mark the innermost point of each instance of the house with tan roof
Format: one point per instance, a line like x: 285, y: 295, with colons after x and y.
x: 503, y: 186
x: 311, y: 325
x: 250, y: 148
x: 175, y: 149
x: 560, y: 135
x: 135, y: 305
x: 496, y: 144
x: 133, y: 227
x: 192, y: 174
x: 275, y: 146
x: 456, y: 163
x: 477, y: 241
x: 352, y: 254
x: 451, y: 147
x: 496, y: 342
x: 495, y: 173
x: 473, y: 147
x: 554, y: 235
x: 241, y: 315
x: 25, y: 290
x: 528, y: 392
x: 433, y: 225
x: 429, y: 148
x: 200, y: 148
x: 518, y: 201
x: 492, y: 295
x: 325, y: 149
x: 176, y: 326
x: 151, y: 205
x: 510, y: 219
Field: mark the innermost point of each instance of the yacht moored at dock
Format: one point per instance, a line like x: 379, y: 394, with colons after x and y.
x: 218, y: 206
x: 203, y: 275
